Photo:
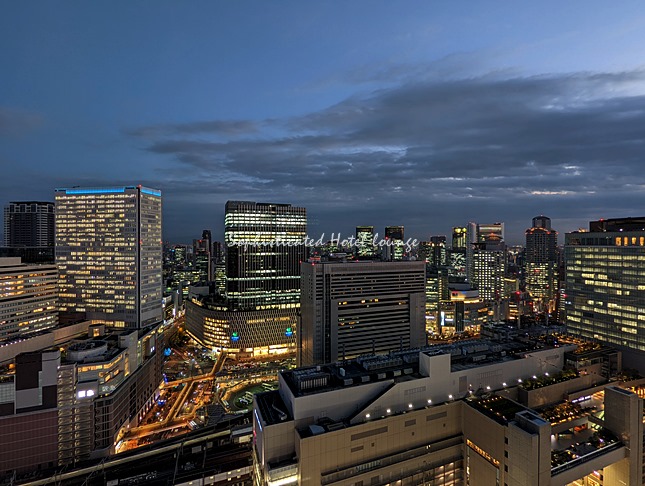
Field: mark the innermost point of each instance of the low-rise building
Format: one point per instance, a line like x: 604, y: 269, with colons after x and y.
x: 446, y: 415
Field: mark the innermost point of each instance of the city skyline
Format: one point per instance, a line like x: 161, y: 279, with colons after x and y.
x: 365, y: 114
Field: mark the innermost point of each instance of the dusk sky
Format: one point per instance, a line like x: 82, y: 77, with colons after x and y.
x: 425, y: 114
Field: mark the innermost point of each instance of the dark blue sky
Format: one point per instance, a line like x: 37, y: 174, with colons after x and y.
x: 427, y: 114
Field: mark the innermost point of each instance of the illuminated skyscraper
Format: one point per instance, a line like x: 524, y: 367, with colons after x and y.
x: 605, y: 282
x: 459, y: 240
x: 541, y: 262
x: 365, y: 241
x: 477, y: 237
x: 489, y: 268
x: 264, y: 248
x: 258, y: 314
x: 457, y: 253
x: 109, y: 254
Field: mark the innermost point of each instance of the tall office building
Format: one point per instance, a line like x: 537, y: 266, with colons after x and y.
x: 434, y: 251
x: 395, y: 249
x: 264, y: 248
x: 605, y: 282
x: 353, y: 308
x: 202, y: 260
x: 541, y: 263
x: 478, y: 236
x: 29, y: 224
x: 258, y: 314
x: 489, y: 268
x: 457, y: 253
x: 365, y: 242
x: 28, y: 298
x: 109, y: 254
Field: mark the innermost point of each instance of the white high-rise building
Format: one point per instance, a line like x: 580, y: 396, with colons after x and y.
x: 109, y: 254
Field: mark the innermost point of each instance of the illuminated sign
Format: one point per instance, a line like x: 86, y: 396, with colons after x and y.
x: 288, y: 332
x: 235, y: 337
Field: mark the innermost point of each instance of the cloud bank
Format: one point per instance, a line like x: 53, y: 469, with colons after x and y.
x: 431, y: 154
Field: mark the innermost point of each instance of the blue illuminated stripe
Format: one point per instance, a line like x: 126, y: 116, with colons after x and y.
x: 107, y: 190
x: 152, y: 192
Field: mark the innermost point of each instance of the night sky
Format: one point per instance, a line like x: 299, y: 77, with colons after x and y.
x: 425, y: 114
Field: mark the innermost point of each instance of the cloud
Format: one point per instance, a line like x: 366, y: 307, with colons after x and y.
x: 481, y: 146
x: 214, y: 128
x: 17, y: 123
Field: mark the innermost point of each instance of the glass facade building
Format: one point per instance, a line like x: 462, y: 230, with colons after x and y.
x: 109, y: 254
x: 605, y: 283
x: 264, y: 248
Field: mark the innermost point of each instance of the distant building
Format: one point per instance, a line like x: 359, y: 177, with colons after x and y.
x: 365, y: 242
x: 540, y: 262
x: 395, y: 249
x: 29, y: 224
x: 28, y: 298
x: 476, y: 236
x: 489, y: 268
x: 109, y: 254
x: 459, y: 238
x: 29, y: 231
x: 436, y: 288
x: 353, y: 308
x: 462, y: 311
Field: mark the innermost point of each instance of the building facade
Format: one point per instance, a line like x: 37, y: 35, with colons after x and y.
x: 489, y: 268
x: 353, y: 308
x: 453, y: 415
x: 540, y: 263
x: 605, y: 282
x: 71, y: 402
x: 109, y: 254
x: 29, y: 224
x: 264, y: 248
x: 365, y: 242
x: 395, y: 249
x: 28, y: 298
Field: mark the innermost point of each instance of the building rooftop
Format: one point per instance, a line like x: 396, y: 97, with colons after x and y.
x: 272, y: 407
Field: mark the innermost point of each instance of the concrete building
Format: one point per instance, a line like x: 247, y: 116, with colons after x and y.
x: 28, y: 298
x: 447, y: 415
x: 605, y: 284
x: 109, y: 254
x: 352, y: 308
x: 73, y: 401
